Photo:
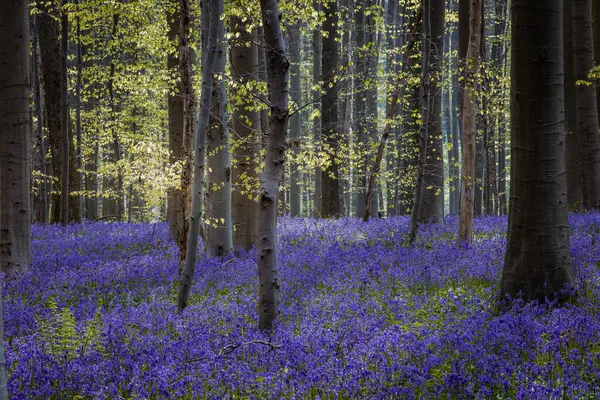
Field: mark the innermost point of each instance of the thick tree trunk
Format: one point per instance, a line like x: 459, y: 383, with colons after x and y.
x: 585, y: 98
x: 467, y: 183
x: 175, y: 197
x: 432, y: 209
x: 214, y: 8
x: 219, y: 240
x: 15, y: 142
x: 329, y: 179
x: 596, y: 21
x: 317, y: 42
x: 537, y: 263
x: 572, y: 136
x: 277, y: 79
x: 296, y: 118
x: 246, y: 125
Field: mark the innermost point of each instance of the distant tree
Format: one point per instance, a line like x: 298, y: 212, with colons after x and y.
x: 277, y: 80
x: 537, y: 263
x: 468, y: 132
x: 317, y: 43
x: 329, y: 64
x: 15, y: 138
x: 64, y: 114
x: 586, y: 101
x: 295, y: 35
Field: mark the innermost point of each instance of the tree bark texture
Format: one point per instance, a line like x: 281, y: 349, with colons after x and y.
x: 468, y: 133
x: 246, y: 127
x: 586, y: 101
x: 317, y: 43
x: 296, y: 118
x: 214, y: 8
x: 15, y: 143
x: 359, y: 105
x: 537, y: 262
x: 277, y: 80
x: 64, y: 114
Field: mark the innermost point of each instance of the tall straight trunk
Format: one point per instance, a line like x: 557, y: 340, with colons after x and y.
x: 596, y: 21
x: 219, y: 240
x: 371, y: 55
x: 277, y: 80
x: 586, y: 101
x: 214, y: 8
x: 572, y: 136
x: 396, y: 97
x: 64, y: 114
x: 359, y: 118
x: 537, y: 262
x: 456, y: 106
x: 246, y: 125
x: 50, y: 67
x: 432, y: 208
x: 392, y: 42
x: 345, y: 111
x: 175, y: 196
x: 91, y: 184
x: 317, y: 42
x: 78, y: 133
x: 467, y: 183
x: 450, y: 131
x: 329, y: 179
x: 15, y: 142
x: 296, y: 118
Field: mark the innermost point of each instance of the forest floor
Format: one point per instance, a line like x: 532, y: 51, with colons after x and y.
x: 363, y: 315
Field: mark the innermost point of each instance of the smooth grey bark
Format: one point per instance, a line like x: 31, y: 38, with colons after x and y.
x: 296, y: 118
x: 277, y: 80
x: 219, y: 241
x: 499, y: 59
x: 317, y: 42
x: 330, y: 203
x: 78, y: 132
x: 596, y: 22
x: 215, y: 10
x: 586, y: 101
x: 15, y: 141
x: 537, y: 263
x: 467, y: 182
x: 572, y: 137
x: 432, y: 208
x: 175, y: 195
x: 245, y: 145
x: 392, y: 44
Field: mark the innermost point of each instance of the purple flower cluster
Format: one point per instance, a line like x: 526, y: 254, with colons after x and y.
x: 363, y: 315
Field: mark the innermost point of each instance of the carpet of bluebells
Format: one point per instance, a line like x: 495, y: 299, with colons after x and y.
x: 363, y: 315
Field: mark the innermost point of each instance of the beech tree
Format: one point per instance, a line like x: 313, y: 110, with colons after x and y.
x: 277, y: 80
x: 537, y: 264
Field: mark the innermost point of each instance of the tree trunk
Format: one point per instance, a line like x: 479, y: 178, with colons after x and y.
x: 219, y: 240
x: 572, y: 136
x: 277, y: 79
x: 586, y: 101
x: 214, y: 8
x: 317, y: 43
x: 64, y: 114
x: 78, y: 133
x: 175, y: 196
x: 296, y: 118
x: 467, y: 183
x: 432, y: 209
x: 329, y: 179
x: 15, y: 142
x: 596, y: 21
x: 537, y: 262
x: 246, y: 125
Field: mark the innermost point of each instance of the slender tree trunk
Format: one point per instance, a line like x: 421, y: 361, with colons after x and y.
x: 246, y: 125
x: 432, y: 209
x: 277, y: 79
x: 219, y: 240
x: 329, y: 179
x: 215, y: 10
x: 15, y: 142
x: 586, y: 101
x: 572, y: 136
x: 296, y: 118
x: 467, y: 183
x: 537, y: 262
x: 596, y: 21
x: 175, y: 197
x: 317, y: 122
x: 359, y: 105
x: 64, y: 115
x: 397, y: 95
